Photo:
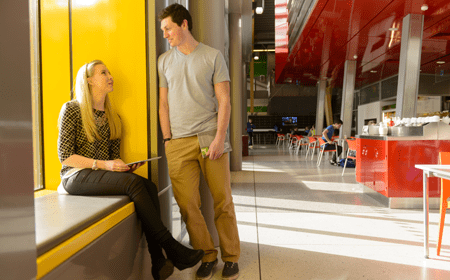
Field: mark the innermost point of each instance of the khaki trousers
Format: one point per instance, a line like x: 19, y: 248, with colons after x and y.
x: 185, y: 162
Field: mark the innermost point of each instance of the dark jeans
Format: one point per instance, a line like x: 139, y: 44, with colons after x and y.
x: 333, y: 147
x: 140, y: 190
x: 250, y: 138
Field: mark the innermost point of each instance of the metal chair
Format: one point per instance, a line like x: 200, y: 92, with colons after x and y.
x: 444, y: 158
x: 280, y: 137
x: 300, y: 143
x: 292, y: 141
x: 351, y: 147
x: 322, y: 147
x: 312, y: 146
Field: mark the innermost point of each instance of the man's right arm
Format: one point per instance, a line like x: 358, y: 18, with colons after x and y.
x: 164, y: 112
x: 325, y: 135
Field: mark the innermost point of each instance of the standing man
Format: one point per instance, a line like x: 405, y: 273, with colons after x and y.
x: 327, y: 134
x: 194, y: 112
x: 250, y: 128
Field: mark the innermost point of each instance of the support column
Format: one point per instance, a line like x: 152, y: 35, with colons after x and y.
x: 320, y: 111
x: 252, y: 85
x: 209, y: 30
x: 409, y: 69
x: 19, y: 86
x: 347, y: 98
x: 236, y: 91
x: 244, y: 99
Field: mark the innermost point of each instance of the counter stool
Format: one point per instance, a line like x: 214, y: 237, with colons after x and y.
x: 322, y: 150
x: 444, y: 158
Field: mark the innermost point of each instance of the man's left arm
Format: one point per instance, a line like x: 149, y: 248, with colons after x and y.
x: 222, y: 91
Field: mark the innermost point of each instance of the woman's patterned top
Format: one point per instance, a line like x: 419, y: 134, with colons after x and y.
x: 72, y: 137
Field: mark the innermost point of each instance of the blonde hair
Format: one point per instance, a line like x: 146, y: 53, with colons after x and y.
x: 83, y: 95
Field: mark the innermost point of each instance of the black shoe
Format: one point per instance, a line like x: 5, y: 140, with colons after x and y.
x: 333, y: 162
x: 230, y: 271
x: 205, y: 271
x: 162, y: 269
x: 182, y: 257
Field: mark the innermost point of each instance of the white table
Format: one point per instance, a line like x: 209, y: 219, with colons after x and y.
x: 259, y: 131
x: 430, y: 170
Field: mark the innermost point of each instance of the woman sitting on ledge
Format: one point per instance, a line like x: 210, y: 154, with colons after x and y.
x: 89, y: 150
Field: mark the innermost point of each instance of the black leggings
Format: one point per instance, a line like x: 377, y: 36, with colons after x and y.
x: 332, y: 147
x: 250, y: 138
x: 140, y: 190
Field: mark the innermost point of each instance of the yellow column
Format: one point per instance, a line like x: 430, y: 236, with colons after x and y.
x: 55, y: 63
x: 328, y: 108
x: 114, y: 32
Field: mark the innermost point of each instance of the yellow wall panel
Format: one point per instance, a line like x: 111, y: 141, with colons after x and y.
x: 55, y: 80
x: 114, y: 32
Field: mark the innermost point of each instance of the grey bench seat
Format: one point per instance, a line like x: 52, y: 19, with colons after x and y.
x: 59, y: 217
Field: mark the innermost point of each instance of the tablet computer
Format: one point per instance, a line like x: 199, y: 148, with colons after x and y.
x: 145, y: 160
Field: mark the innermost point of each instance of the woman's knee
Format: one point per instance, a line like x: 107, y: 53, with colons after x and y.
x: 134, y: 184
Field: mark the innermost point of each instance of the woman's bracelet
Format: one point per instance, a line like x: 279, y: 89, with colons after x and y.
x: 94, y: 165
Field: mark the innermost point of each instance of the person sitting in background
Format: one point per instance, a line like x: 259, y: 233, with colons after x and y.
x: 250, y: 128
x: 276, y: 128
x: 327, y: 134
x: 89, y: 150
x: 307, y: 131
x: 312, y: 131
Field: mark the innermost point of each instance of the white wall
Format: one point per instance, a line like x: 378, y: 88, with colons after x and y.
x: 368, y: 111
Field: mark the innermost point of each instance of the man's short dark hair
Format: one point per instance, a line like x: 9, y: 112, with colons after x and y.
x: 338, y: 121
x: 178, y: 13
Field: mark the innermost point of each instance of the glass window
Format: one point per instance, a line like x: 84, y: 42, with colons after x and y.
x: 389, y: 87
x: 370, y: 94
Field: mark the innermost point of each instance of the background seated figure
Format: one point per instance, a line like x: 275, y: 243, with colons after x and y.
x: 327, y: 134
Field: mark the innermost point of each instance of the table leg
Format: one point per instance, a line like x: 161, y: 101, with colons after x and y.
x: 426, y: 208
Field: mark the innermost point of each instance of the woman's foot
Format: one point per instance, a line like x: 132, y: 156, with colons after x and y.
x: 181, y: 256
x: 162, y: 269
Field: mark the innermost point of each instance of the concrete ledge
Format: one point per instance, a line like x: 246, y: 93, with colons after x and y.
x: 59, y: 217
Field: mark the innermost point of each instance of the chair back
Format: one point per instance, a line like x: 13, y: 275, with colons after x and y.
x: 312, y: 139
x: 352, y: 145
x: 299, y: 137
x: 321, y: 141
x: 444, y: 157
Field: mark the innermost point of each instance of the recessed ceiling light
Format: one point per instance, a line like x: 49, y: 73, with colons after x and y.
x: 424, y: 7
x: 373, y: 71
x: 440, y: 62
x: 355, y: 56
x: 393, y: 29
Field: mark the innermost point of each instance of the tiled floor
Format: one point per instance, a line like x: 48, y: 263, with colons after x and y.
x: 298, y: 221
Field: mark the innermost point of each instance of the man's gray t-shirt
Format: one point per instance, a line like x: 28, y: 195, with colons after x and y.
x: 190, y: 81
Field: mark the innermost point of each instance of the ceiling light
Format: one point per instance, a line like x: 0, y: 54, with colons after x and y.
x: 256, y: 56
x: 373, y: 71
x: 264, y: 50
x: 393, y: 29
x: 440, y: 62
x: 259, y: 6
x: 424, y: 7
x: 355, y: 56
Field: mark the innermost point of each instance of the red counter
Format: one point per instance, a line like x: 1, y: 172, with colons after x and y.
x: 386, y: 164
